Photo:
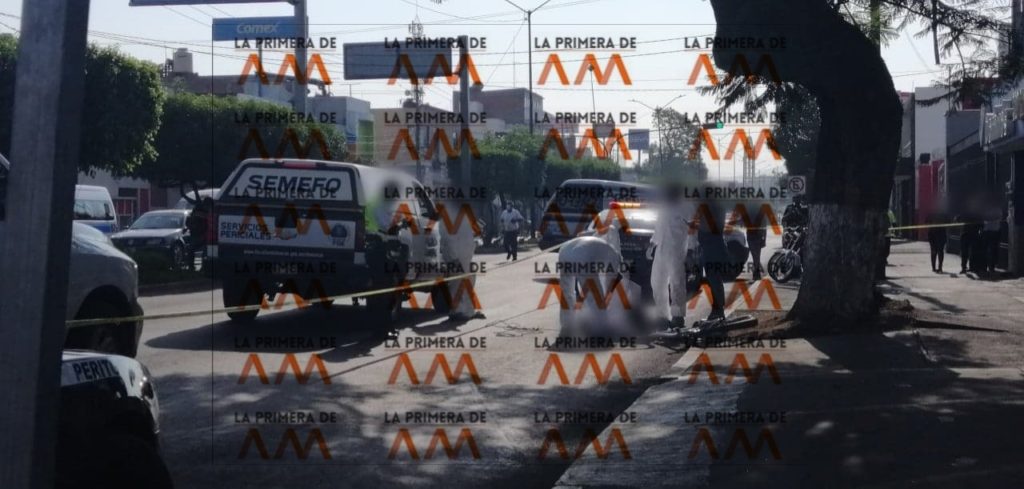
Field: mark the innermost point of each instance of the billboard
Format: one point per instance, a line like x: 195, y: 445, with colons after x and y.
x: 639, y: 139
x: 378, y: 60
x: 256, y: 28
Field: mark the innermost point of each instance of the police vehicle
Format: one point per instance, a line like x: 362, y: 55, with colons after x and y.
x: 109, y: 426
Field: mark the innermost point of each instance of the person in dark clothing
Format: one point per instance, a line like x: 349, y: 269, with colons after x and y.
x: 969, y: 236
x: 937, y: 237
x: 757, y: 235
x: 714, y: 253
x: 796, y: 214
x: 993, y: 220
x: 714, y: 260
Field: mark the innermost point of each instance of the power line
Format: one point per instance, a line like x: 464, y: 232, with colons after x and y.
x: 189, y: 17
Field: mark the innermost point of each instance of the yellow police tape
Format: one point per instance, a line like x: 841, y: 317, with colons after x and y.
x: 407, y: 287
x: 400, y: 288
x: 926, y: 226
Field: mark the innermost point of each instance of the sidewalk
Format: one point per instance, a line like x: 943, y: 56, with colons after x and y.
x: 939, y: 406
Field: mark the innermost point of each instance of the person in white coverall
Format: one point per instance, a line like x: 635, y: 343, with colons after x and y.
x: 669, y: 244
x: 459, y: 247
x: 592, y: 265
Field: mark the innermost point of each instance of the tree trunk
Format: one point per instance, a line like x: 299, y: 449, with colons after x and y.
x: 857, y: 147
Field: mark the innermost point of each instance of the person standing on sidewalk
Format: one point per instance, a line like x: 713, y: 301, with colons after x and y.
x: 969, y: 235
x: 937, y: 238
x: 990, y: 233
x: 757, y: 236
x: 510, y: 220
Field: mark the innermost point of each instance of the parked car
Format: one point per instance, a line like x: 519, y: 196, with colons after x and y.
x: 102, y: 282
x: 93, y: 206
x: 109, y: 426
x: 323, y: 229
x: 160, y: 233
x: 576, y: 201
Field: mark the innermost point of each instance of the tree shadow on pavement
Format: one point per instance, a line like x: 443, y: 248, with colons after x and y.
x: 888, y: 411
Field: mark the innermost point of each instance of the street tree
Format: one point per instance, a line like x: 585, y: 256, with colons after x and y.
x: 203, y: 138
x: 121, y: 108
x: 671, y: 158
x: 837, y: 61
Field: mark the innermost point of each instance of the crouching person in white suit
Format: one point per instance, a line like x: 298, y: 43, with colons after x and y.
x: 668, y: 272
x: 598, y: 293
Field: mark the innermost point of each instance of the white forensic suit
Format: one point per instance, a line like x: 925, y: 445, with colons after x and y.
x: 459, y: 247
x: 668, y: 273
x: 600, y: 298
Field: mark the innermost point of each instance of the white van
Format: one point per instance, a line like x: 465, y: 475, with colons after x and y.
x: 322, y: 228
x: 93, y: 206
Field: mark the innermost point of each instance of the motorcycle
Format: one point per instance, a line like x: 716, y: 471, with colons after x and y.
x: 787, y: 262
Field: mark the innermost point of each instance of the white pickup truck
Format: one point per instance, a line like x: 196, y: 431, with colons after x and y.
x: 102, y: 283
x: 319, y: 229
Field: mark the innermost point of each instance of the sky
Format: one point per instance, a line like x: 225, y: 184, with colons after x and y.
x: 659, y: 66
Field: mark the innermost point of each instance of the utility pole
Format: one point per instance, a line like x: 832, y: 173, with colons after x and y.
x: 529, y: 35
x: 35, y: 253
x: 299, y: 96
x: 464, y: 156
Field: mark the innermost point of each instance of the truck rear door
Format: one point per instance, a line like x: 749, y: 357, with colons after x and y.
x: 295, y: 214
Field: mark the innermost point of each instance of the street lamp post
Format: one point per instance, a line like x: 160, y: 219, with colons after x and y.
x: 657, y: 121
x: 529, y: 45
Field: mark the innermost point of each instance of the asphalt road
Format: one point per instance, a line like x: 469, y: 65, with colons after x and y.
x: 223, y: 423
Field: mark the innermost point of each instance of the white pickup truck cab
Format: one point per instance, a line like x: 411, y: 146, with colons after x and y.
x: 320, y: 229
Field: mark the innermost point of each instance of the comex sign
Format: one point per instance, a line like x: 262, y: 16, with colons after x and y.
x: 255, y: 27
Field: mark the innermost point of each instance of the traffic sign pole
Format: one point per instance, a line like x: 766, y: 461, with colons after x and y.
x: 35, y: 253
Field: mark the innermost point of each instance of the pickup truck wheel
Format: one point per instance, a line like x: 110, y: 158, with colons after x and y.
x: 235, y: 295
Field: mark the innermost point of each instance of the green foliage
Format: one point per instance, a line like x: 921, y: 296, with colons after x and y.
x: 670, y: 158
x: 511, y: 165
x: 203, y: 138
x: 121, y: 109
